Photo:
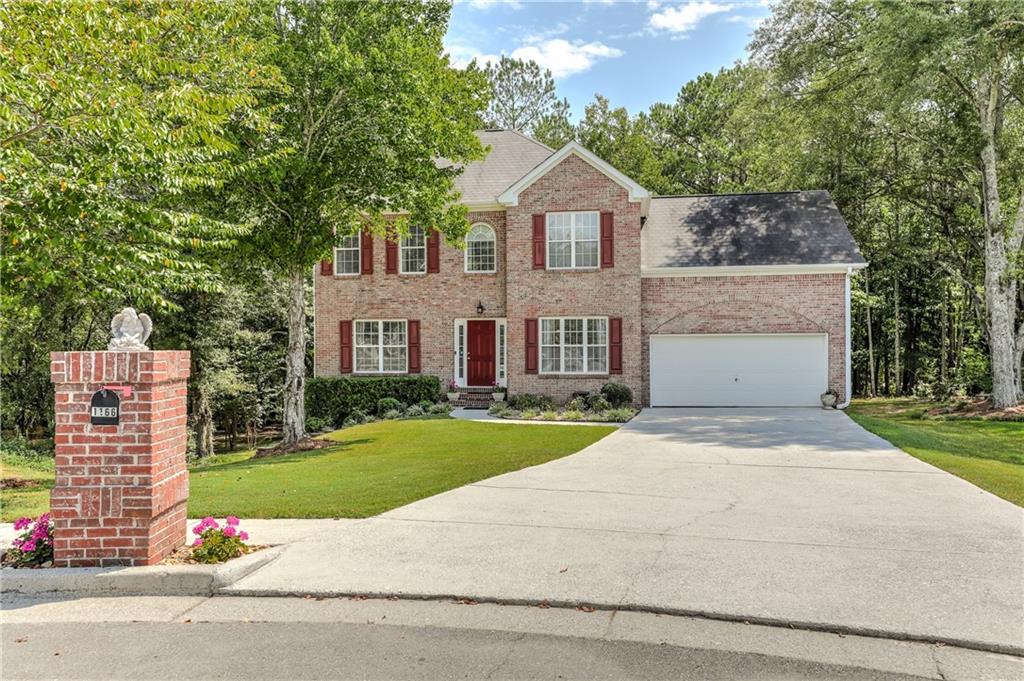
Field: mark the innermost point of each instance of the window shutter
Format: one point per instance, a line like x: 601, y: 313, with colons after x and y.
x: 391, y: 256
x: 607, y: 240
x: 345, y: 335
x: 531, y: 346
x: 366, y: 252
x: 413, y: 343
x: 433, y: 252
x: 539, y: 247
x: 615, y: 345
x: 327, y: 268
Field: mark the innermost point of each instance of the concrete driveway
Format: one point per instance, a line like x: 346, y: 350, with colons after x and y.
x: 777, y: 515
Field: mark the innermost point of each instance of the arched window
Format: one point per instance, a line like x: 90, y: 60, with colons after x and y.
x: 480, y: 249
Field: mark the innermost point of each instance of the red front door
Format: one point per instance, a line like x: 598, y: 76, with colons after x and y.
x: 480, y: 352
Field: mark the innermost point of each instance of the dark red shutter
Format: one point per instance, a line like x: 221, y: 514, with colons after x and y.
x: 433, y: 252
x: 531, y: 346
x: 366, y: 253
x: 327, y: 267
x: 607, y: 240
x: 539, y: 247
x: 345, y: 336
x: 391, y: 256
x: 615, y: 345
x: 414, y: 346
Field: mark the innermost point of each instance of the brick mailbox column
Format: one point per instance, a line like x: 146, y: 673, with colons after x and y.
x: 121, y: 490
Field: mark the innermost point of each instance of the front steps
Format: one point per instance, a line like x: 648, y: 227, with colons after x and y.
x: 474, y: 398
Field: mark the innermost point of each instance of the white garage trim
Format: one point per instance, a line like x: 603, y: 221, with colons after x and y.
x: 738, y: 369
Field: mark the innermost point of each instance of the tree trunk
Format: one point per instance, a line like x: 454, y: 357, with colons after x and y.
x: 294, y: 416
x: 202, y: 412
x: 943, y: 345
x: 1000, y: 286
x: 872, y: 386
x: 897, y: 377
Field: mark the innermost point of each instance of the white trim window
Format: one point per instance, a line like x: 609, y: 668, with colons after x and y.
x: 481, y: 255
x: 574, y: 345
x: 412, y: 252
x: 573, y: 240
x: 346, y: 255
x: 380, y: 346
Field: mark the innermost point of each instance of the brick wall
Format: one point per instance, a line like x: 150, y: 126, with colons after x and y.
x: 805, y: 303
x: 120, y: 492
x: 573, y: 185
x: 437, y: 300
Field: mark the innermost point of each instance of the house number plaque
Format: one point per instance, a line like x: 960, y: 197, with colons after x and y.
x: 105, y: 408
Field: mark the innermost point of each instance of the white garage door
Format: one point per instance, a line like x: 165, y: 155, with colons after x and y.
x: 769, y: 370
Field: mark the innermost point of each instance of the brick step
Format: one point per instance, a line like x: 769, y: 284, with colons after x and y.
x: 474, y: 398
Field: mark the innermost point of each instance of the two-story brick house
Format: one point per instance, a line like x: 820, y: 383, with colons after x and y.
x: 573, y: 275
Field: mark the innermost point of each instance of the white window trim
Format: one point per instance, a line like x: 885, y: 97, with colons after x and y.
x: 461, y: 361
x: 572, y: 241
x: 359, y: 257
x: 401, y: 254
x: 380, y: 347
x: 465, y: 256
x: 561, y: 347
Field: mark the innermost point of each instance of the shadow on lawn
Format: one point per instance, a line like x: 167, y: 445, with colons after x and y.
x: 336, y: 446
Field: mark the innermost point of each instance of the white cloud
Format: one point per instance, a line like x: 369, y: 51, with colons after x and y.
x: 565, y: 58
x: 653, y: 4
x: 558, y: 29
x: 684, y: 18
x: 487, y: 4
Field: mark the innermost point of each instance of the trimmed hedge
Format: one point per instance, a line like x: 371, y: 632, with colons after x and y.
x: 335, y: 398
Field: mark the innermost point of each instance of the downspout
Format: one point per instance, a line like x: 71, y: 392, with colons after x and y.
x: 848, y: 393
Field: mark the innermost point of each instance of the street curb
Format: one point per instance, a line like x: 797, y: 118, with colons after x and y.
x: 840, y: 629
x: 155, y: 580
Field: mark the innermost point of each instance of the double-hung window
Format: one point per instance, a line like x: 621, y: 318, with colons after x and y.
x: 480, y: 255
x: 346, y: 255
x: 574, y: 345
x: 413, y: 251
x: 381, y: 346
x: 573, y: 240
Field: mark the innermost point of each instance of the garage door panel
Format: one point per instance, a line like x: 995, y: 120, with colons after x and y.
x: 768, y: 370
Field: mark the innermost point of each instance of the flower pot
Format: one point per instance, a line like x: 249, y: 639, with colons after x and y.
x: 452, y: 396
x: 498, y: 397
x: 828, y: 400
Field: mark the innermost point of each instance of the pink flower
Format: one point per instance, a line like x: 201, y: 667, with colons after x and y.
x: 28, y: 546
x: 197, y: 530
x: 44, y: 519
x: 22, y: 523
x: 229, y: 531
x: 243, y: 535
x: 231, y: 520
x: 197, y: 542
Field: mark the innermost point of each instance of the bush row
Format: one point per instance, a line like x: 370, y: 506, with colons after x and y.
x: 334, y: 399
x: 611, y: 396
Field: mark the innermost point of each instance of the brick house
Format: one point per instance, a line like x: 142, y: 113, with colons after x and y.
x: 573, y: 275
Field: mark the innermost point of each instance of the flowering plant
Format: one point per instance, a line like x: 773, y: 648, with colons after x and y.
x: 34, y: 546
x: 216, y: 544
x: 453, y: 387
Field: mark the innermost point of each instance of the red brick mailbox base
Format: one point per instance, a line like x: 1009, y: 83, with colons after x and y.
x: 120, y: 491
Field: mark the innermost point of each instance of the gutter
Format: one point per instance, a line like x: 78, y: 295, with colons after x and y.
x: 848, y: 392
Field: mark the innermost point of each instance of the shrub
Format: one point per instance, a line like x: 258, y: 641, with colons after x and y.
x: 34, y: 546
x: 387, y: 404
x: 576, y: 404
x: 391, y: 415
x: 425, y: 405
x: 549, y: 415
x: 530, y: 401
x: 528, y: 414
x: 336, y: 398
x: 349, y: 422
x: 597, y: 403
x: 441, y: 408
x: 414, y: 410
x: 216, y: 544
x: 617, y: 394
x: 620, y: 415
x: 317, y: 424
x: 358, y: 415
x: 571, y: 415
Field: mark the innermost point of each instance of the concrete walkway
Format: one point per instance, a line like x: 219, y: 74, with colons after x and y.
x: 776, y: 516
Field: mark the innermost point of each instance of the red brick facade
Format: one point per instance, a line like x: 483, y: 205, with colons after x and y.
x: 120, y: 492
x: 520, y: 291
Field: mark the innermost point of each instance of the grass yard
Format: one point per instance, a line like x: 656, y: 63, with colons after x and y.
x: 374, y: 467
x: 26, y: 501
x: 989, y: 454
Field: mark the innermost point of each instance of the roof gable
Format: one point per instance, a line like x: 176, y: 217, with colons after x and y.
x: 511, y: 155
x: 510, y: 197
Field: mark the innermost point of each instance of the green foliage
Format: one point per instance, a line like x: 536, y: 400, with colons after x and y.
x: 531, y: 401
x: 441, y: 408
x: 387, y: 404
x: 217, y: 547
x: 426, y: 405
x: 523, y: 97
x: 391, y: 415
x: 596, y: 402
x: 576, y: 404
x: 337, y: 398
x: 415, y: 411
x: 617, y: 394
x: 316, y: 424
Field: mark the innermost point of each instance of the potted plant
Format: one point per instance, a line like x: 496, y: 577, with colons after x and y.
x: 828, y: 399
x: 453, y: 390
x: 497, y: 392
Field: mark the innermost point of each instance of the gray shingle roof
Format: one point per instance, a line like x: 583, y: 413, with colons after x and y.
x: 512, y: 155
x: 786, y: 228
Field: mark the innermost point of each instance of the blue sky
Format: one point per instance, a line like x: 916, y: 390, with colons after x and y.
x: 634, y: 53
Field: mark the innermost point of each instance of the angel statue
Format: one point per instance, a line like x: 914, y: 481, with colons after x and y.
x: 130, y: 330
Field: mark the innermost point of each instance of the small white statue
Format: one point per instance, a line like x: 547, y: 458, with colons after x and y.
x: 130, y: 330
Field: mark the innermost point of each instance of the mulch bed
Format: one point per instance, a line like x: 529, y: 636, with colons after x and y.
x: 17, y: 483
x: 306, y: 445
x: 977, y: 409
x: 183, y: 555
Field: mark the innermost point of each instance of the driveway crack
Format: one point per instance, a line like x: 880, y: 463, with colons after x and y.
x: 507, y: 656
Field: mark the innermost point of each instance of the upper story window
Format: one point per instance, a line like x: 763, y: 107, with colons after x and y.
x: 380, y: 346
x: 573, y: 240
x: 574, y: 345
x: 413, y: 252
x: 346, y: 255
x: 480, y: 249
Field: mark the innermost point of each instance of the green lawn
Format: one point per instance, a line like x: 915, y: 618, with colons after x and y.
x: 989, y: 454
x: 374, y: 468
